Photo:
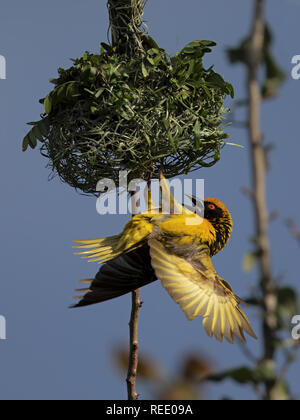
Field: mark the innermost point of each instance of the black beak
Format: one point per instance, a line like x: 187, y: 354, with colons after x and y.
x: 196, y: 201
x: 198, y: 205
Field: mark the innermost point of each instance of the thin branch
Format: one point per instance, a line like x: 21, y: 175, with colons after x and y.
x: 134, y: 320
x: 134, y: 346
x: 133, y: 332
x: 259, y: 188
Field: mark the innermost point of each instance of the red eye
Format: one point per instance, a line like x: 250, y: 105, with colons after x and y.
x: 212, y: 207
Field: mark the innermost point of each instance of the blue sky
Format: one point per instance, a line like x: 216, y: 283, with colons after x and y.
x: 55, y: 353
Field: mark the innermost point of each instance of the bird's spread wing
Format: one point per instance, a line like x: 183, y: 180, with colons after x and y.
x: 118, y: 277
x: 199, y: 291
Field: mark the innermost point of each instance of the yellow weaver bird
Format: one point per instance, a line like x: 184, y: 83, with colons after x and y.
x: 175, y: 248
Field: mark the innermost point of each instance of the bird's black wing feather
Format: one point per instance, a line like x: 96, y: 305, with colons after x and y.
x: 120, y: 276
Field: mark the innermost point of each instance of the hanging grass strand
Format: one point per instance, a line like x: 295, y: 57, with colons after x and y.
x: 126, y: 24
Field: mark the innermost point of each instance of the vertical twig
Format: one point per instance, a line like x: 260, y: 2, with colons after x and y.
x: 133, y: 334
x: 259, y: 189
x: 134, y: 319
x: 134, y: 346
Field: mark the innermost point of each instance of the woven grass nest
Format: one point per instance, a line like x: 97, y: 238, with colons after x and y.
x: 111, y: 112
